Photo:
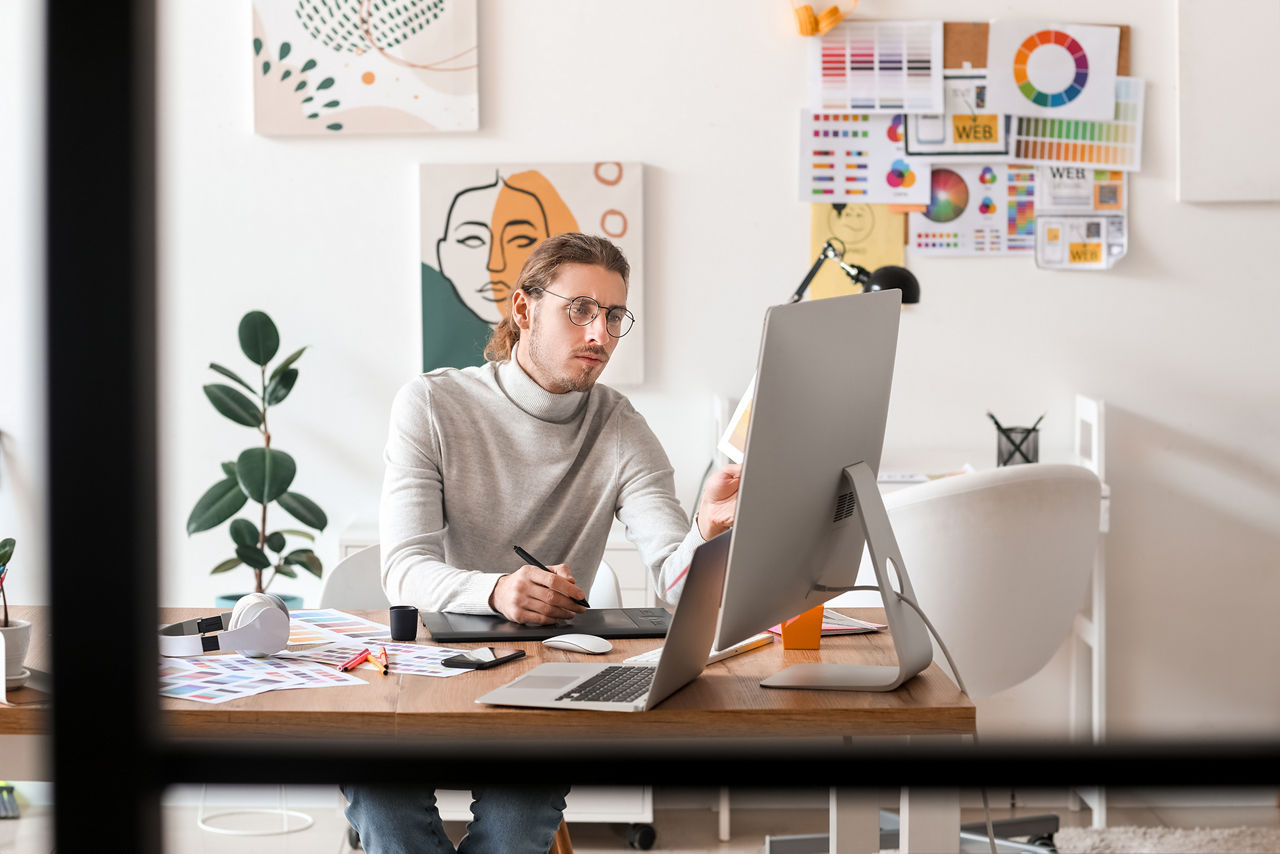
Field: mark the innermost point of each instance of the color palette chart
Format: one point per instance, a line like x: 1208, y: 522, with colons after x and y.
x: 1115, y: 144
x: 879, y: 66
x: 858, y: 157
x: 1058, y: 71
x: 976, y: 209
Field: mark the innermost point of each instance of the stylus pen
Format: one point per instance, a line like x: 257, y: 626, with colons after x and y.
x: 533, y: 561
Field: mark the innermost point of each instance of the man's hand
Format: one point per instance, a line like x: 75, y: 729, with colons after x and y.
x: 719, y: 502
x: 530, y: 595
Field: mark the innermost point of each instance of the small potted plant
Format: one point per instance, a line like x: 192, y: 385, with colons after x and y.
x: 263, y: 474
x: 17, y: 633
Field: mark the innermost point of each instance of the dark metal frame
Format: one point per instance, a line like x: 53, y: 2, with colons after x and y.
x: 110, y: 760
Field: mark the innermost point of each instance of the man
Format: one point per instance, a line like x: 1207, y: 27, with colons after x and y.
x: 526, y: 449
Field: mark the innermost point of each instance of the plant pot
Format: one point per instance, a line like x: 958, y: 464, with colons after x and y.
x: 227, y: 601
x: 17, y: 637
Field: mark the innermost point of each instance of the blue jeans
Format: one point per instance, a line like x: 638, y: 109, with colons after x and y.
x: 506, y: 819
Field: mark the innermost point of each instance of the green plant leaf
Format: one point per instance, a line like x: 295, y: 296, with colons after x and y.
x: 304, y: 510
x: 275, y: 541
x: 285, y: 47
x: 231, y: 376
x: 6, y: 550
x: 233, y: 404
x: 244, y: 533
x: 287, y: 571
x: 302, y: 84
x: 293, y: 532
x: 253, y: 556
x: 258, y: 337
x: 264, y: 474
x: 306, y: 559
x: 222, y: 501
x: 287, y: 363
x: 266, y: 66
x: 278, y: 389
x: 229, y: 469
x: 226, y: 565
x: 325, y: 83
x: 331, y: 104
x: 288, y: 72
x: 308, y: 65
x: 257, y: 46
x: 334, y: 126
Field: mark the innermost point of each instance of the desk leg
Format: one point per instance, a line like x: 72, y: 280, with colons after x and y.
x: 930, y: 820
x: 854, y: 821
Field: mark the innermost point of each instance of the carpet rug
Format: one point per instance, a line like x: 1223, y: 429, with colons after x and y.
x: 1168, y: 840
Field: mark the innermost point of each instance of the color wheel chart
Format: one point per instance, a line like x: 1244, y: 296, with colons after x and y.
x: 1060, y: 71
x: 879, y: 66
x: 1078, y: 58
x: 1115, y: 144
x: 976, y: 209
x: 857, y: 157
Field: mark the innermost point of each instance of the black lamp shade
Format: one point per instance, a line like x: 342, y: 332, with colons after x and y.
x: 900, y: 278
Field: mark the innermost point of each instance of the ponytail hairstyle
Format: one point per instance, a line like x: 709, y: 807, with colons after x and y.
x: 540, y: 271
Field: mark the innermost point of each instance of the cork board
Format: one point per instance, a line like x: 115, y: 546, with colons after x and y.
x: 967, y: 42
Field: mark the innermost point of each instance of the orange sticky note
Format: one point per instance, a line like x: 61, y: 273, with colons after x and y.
x: 804, y: 631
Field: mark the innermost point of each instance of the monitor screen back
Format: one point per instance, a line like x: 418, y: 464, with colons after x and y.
x: 821, y: 398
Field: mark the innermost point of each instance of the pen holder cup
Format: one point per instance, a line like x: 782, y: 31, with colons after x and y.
x: 404, y: 622
x: 1017, y: 445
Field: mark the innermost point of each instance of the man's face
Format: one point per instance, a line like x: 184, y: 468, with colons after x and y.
x: 560, y: 356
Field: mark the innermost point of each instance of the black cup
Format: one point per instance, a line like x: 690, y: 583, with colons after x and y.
x: 404, y: 622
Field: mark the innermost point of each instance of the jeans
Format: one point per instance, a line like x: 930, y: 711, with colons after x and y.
x: 506, y: 819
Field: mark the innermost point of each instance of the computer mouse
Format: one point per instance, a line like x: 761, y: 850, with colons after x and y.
x: 579, y: 643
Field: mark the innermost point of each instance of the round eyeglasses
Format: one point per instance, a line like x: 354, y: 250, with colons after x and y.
x: 583, y: 312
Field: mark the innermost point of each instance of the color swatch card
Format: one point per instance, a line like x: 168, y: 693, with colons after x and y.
x: 1065, y: 71
x: 1115, y: 144
x: 879, y: 66
x: 968, y: 129
x: 858, y: 157
x: 974, y: 209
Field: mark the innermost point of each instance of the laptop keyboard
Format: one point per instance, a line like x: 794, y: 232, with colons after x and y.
x: 615, y: 684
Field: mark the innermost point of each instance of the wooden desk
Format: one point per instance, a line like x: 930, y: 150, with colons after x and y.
x: 725, y: 702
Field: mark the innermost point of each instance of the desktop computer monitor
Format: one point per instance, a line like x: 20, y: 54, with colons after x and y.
x: 812, y: 453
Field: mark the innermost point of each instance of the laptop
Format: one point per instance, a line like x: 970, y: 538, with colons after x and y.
x: 448, y: 627
x: 617, y: 687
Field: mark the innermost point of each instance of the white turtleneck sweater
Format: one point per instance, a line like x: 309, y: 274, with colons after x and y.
x: 481, y: 459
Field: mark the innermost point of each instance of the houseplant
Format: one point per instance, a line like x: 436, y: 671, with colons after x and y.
x: 263, y: 474
x: 17, y: 633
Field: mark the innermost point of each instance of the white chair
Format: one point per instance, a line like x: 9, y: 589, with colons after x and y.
x: 356, y: 583
x: 1000, y: 562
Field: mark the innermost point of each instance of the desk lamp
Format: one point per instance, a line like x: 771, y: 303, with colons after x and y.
x: 884, y: 278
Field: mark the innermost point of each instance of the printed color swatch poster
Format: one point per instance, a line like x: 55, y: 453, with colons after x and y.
x: 879, y: 66
x: 479, y: 223
x: 1065, y: 71
x: 338, y: 67
x: 858, y: 157
x: 1115, y: 144
x: 975, y: 209
x: 870, y: 235
x: 968, y: 128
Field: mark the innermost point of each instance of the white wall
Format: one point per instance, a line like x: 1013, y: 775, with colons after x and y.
x: 1179, y: 339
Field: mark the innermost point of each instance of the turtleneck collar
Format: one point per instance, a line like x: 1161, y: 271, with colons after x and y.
x: 525, y: 393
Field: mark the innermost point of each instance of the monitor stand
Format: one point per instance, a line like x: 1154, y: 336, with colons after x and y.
x: 910, y: 636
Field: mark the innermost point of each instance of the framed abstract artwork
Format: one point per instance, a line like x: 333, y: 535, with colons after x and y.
x: 340, y: 67
x: 480, y: 222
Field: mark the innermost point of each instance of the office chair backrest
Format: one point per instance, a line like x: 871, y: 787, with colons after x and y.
x: 355, y: 583
x: 1000, y: 562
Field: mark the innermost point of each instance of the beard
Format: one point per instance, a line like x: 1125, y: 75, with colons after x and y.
x: 559, y: 379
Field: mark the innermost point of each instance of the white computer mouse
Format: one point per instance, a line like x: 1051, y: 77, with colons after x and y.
x: 579, y: 643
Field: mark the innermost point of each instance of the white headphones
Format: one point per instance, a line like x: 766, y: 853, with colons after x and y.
x: 257, y: 627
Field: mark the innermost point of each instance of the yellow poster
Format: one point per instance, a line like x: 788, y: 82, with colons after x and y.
x: 872, y: 237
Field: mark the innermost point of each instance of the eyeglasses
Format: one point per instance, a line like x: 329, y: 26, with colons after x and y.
x: 583, y: 312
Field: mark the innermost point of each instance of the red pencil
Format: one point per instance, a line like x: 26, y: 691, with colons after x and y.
x: 355, y: 661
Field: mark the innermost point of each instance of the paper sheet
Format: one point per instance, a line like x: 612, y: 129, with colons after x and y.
x: 871, y: 235
x: 858, y: 157
x: 977, y: 209
x: 1114, y: 144
x: 1064, y: 71
x: 1080, y: 242
x: 968, y: 129
x: 878, y: 66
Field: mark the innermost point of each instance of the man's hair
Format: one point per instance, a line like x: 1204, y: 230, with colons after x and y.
x: 541, y: 270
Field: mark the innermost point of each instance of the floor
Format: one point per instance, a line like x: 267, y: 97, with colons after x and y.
x: 678, y: 830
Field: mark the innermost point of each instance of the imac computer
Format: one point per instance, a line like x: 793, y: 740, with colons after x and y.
x: 807, y: 500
